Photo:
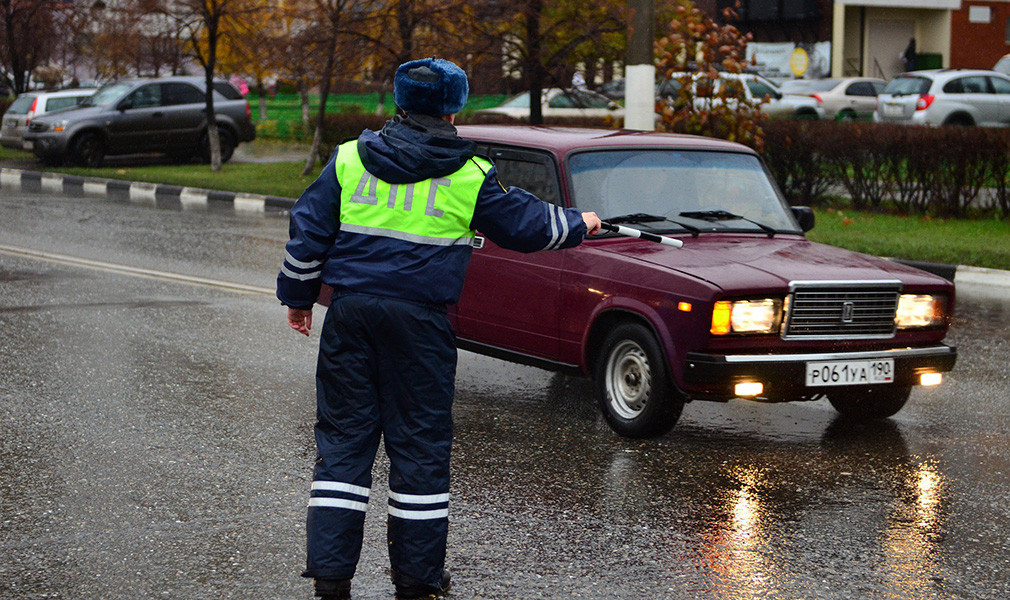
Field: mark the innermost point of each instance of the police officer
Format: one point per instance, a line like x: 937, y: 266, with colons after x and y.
x: 389, y: 224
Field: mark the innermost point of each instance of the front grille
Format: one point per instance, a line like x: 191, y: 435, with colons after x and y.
x: 37, y: 127
x: 828, y: 310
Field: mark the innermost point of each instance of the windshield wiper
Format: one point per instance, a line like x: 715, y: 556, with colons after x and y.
x: 725, y: 215
x: 648, y: 218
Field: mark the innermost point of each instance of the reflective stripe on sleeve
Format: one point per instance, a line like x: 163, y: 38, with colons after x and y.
x: 294, y: 262
x: 554, y: 228
x: 564, y: 226
x: 418, y: 498
x: 419, y: 515
x: 338, y: 503
x: 300, y: 276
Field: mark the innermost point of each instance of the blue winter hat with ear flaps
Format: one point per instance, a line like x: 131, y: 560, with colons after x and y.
x: 430, y: 86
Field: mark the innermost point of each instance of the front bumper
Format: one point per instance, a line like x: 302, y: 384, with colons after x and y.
x: 46, y: 145
x: 784, y: 375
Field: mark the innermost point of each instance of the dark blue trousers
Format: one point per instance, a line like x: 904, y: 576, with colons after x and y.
x: 386, y: 368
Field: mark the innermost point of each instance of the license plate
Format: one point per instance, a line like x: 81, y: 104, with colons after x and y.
x: 27, y: 145
x: 850, y: 372
x: 893, y: 110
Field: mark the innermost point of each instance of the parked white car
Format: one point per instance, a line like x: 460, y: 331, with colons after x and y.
x: 946, y: 97
x: 29, y: 105
x: 845, y: 98
x: 557, y: 102
x: 753, y: 88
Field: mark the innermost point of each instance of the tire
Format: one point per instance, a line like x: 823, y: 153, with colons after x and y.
x: 227, y: 146
x: 88, y: 150
x: 869, y: 403
x: 633, y: 385
x: 959, y: 120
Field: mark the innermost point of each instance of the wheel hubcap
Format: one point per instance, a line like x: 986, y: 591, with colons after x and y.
x: 628, y: 379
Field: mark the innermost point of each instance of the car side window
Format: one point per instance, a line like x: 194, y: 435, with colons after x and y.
x: 760, y: 90
x: 1000, y: 85
x: 58, y: 103
x: 860, y: 88
x: 145, y: 96
x: 173, y: 94
x: 531, y: 171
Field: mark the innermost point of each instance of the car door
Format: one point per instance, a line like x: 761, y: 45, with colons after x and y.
x: 1001, y: 89
x: 138, y: 123
x: 973, y: 92
x: 861, y: 98
x: 510, y: 299
x: 185, y: 114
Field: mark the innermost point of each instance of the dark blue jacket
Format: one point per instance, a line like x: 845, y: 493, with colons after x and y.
x: 409, y: 149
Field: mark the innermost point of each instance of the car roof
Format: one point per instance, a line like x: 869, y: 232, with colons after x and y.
x: 562, y: 140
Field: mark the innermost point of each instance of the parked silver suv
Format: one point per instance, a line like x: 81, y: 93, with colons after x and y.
x: 946, y: 97
x: 163, y: 115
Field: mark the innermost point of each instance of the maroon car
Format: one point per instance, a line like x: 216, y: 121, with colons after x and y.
x: 748, y: 307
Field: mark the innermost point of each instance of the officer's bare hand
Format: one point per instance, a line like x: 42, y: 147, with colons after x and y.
x: 592, y: 222
x: 300, y: 320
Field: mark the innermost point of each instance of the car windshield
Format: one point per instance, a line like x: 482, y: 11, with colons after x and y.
x: 107, y: 94
x: 907, y: 85
x: 666, y: 183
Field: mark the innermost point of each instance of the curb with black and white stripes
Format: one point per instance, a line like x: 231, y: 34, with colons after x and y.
x: 155, y: 194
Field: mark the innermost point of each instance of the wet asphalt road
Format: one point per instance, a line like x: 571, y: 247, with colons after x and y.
x: 155, y: 442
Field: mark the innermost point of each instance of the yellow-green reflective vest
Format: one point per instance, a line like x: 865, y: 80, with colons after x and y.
x: 434, y: 211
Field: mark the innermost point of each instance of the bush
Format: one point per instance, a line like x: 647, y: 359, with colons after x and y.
x: 939, y: 171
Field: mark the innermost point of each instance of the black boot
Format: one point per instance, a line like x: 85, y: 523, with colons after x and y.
x: 333, y: 589
x: 408, y: 588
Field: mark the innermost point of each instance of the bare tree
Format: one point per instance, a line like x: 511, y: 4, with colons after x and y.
x: 205, y: 24
x: 28, y: 34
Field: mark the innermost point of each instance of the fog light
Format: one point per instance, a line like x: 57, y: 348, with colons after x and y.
x: 749, y: 388
x: 930, y: 379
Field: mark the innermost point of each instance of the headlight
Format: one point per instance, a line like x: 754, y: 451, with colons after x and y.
x: 920, y: 310
x: 746, y: 316
x: 60, y: 125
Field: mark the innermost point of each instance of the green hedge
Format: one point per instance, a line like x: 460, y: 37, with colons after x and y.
x: 940, y: 171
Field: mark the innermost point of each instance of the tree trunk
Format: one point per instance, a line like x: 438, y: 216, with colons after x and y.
x: 324, y: 94
x: 263, y: 98
x: 534, y: 70
x: 303, y: 93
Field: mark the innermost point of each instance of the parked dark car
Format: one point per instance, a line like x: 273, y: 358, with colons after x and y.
x: 748, y: 307
x: 164, y: 115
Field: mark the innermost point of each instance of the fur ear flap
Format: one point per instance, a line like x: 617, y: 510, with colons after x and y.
x: 430, y: 86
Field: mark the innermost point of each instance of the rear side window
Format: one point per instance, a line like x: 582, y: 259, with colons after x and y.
x: 173, y: 94
x: 227, y: 90
x: 908, y: 85
x: 65, y: 102
x: 967, y: 85
x: 22, y: 104
x: 531, y: 171
x: 1000, y: 85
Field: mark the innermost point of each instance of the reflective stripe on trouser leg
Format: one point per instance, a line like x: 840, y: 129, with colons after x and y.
x: 416, y: 384
x: 347, y: 437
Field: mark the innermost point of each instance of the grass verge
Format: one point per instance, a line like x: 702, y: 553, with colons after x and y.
x: 976, y: 242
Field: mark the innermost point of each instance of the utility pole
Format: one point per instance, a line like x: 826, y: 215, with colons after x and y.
x: 640, y: 70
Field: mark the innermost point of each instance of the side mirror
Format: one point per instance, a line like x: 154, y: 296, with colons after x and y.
x: 804, y: 215
x: 126, y: 104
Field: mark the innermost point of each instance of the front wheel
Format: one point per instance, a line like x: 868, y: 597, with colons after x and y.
x: 227, y: 146
x: 633, y: 384
x: 88, y: 150
x: 869, y: 403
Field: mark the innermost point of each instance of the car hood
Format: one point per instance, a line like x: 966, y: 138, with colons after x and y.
x: 759, y: 264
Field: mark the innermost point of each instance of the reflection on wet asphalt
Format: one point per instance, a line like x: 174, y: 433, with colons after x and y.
x: 155, y: 442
